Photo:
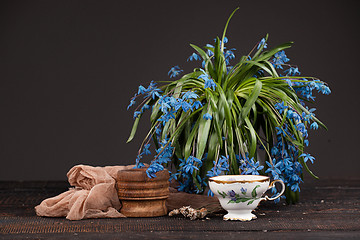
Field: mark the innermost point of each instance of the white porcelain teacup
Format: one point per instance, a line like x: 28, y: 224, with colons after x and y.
x: 239, y: 195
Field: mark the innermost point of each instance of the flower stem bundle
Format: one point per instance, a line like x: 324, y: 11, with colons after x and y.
x: 220, y: 117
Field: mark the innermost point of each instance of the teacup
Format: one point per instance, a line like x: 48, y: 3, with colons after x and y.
x: 239, y: 195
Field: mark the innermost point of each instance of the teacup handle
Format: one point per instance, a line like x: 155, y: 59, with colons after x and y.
x: 272, y: 184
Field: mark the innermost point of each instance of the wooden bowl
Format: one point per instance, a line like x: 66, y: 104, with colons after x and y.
x: 140, y: 195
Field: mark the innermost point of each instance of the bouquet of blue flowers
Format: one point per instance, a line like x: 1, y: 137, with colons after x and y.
x: 220, y: 117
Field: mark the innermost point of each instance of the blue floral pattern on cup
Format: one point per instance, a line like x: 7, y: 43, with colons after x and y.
x: 236, y: 198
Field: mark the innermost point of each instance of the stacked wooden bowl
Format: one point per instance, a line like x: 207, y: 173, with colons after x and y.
x: 142, y: 196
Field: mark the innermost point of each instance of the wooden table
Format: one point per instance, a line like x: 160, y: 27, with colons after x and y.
x: 328, y: 209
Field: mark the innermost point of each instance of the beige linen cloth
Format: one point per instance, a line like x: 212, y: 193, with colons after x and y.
x: 94, y: 195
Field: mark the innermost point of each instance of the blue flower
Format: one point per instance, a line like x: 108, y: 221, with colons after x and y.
x: 197, y: 104
x: 146, y: 150
x: 154, y: 92
x: 209, y: 52
x: 204, y: 76
x: 195, y: 160
x: 223, y: 163
x: 185, y: 186
x: 164, y: 152
x: 262, y: 42
x: 291, y: 114
x: 295, y: 187
x: 167, y: 116
x: 226, y: 40
x: 186, y: 106
x: 174, y: 71
x: 138, y: 163
x: 280, y: 131
x: 209, y: 83
x: 243, y: 190
x: 163, y: 159
x: 326, y: 90
x: 229, y: 54
x: 307, y: 157
x: 210, y: 193
x: 289, y: 82
x: 203, y: 64
x: 228, y: 68
x: 164, y: 106
x: 188, y: 165
x: 145, y: 107
x: 213, y: 172
x: 280, y: 107
x: 280, y: 58
x: 314, y: 126
x: 286, y: 165
x: 275, y: 151
x: 292, y: 71
x: 194, y: 56
x: 189, y: 95
x: 132, y: 102
x: 158, y: 130
x: 154, y: 168
x: 136, y: 114
x: 301, y: 127
x: 295, y: 178
x: 174, y: 176
x: 250, y: 167
x: 232, y: 195
x: 273, y: 169
x: 319, y: 86
x: 308, y: 117
x: 207, y: 116
x: 142, y: 90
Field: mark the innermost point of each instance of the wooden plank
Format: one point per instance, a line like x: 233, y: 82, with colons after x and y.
x: 209, y: 235
x: 327, y: 208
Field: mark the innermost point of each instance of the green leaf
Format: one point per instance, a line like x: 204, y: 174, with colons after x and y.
x: 155, y: 114
x: 133, y: 130
x: 201, y: 52
x: 315, y: 119
x: 267, y: 55
x: 181, y: 124
x: 223, y: 194
x: 166, y: 128
x: 190, y: 138
x: 242, y: 200
x: 253, y: 142
x: 261, y: 48
x: 228, y: 131
x: 225, y: 28
x: 260, y: 65
x: 307, y: 168
x: 250, y: 202
x: 251, y: 100
x: 211, y: 151
x: 253, y: 193
x: 203, y: 133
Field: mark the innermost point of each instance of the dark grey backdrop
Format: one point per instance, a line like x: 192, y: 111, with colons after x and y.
x: 68, y: 69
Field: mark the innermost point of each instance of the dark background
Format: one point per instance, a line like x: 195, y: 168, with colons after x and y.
x: 69, y: 68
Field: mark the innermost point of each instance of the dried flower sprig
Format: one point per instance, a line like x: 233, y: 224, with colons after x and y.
x: 190, y: 212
